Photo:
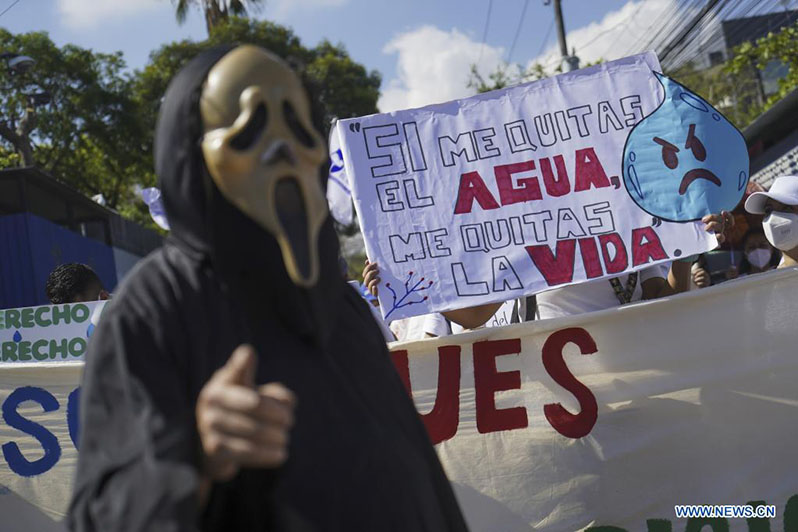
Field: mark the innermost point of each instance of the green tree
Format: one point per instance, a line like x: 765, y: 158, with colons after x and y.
x: 338, y: 86
x: 732, y: 93
x: 215, y: 11
x: 508, y: 75
x: 87, y: 136
x: 735, y: 87
x: 97, y: 132
x: 750, y: 59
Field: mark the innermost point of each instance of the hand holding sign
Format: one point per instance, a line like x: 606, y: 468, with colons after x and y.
x: 241, y: 425
x: 371, y: 277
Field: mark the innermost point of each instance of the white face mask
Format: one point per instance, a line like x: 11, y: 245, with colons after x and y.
x: 781, y: 230
x: 759, y: 257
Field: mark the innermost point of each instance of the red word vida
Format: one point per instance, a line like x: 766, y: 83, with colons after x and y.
x: 444, y: 418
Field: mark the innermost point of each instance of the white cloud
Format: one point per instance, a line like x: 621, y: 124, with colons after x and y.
x: 621, y: 32
x: 433, y: 67
x: 82, y: 14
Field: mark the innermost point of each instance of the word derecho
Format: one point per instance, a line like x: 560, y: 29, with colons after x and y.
x: 44, y: 333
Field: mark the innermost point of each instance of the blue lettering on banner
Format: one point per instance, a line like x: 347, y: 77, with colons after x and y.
x: 73, y: 403
x: 52, y: 450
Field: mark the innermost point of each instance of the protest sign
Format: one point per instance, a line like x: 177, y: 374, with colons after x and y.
x: 339, y: 195
x: 48, y: 333
x: 612, y: 418
x: 516, y: 191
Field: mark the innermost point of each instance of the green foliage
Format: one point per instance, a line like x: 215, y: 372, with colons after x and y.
x: 344, y: 87
x: 781, y: 47
x: 215, y: 11
x: 734, y: 87
x: 507, y: 75
x: 88, y: 136
x: 337, y: 85
x: 733, y: 94
x: 97, y: 133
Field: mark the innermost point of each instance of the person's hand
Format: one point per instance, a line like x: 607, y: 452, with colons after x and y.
x: 718, y: 224
x: 732, y: 272
x: 240, y: 425
x: 700, y: 276
x: 371, y: 277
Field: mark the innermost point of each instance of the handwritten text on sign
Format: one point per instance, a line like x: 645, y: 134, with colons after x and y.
x: 508, y: 193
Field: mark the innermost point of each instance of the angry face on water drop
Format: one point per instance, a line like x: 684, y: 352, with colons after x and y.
x: 684, y: 160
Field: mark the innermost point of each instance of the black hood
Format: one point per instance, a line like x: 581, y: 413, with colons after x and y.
x: 210, y: 229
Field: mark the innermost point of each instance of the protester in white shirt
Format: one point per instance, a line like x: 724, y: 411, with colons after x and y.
x: 600, y: 294
x: 419, y: 327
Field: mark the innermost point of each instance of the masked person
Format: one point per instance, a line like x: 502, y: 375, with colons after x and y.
x: 780, y: 225
x: 307, y: 425
x: 758, y: 255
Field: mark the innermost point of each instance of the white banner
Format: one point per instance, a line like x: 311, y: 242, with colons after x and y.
x: 607, y: 419
x: 516, y: 191
x: 611, y: 419
x: 39, y: 440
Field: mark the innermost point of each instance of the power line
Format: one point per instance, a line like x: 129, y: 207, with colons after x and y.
x: 484, y: 31
x: 518, y: 30
x: 624, y: 21
x: 9, y: 7
x: 665, y: 14
x: 687, y: 51
x: 546, y: 38
x: 694, y: 46
x: 674, y: 19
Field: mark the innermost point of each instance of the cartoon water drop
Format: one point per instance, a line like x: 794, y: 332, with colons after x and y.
x: 17, y: 337
x: 685, y: 159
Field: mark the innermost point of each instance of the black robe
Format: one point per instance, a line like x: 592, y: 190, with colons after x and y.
x: 359, y: 457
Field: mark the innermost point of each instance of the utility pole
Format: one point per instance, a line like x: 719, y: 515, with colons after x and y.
x: 569, y: 62
x: 560, y: 28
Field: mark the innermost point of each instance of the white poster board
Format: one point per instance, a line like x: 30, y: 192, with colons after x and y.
x: 508, y: 193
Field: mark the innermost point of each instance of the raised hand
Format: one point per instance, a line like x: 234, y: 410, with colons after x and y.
x: 241, y: 425
x: 718, y: 224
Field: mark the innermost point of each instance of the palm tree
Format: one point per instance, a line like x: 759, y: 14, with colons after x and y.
x: 215, y: 11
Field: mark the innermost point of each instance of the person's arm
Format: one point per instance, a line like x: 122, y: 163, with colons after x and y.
x: 678, y: 279
x: 472, y: 317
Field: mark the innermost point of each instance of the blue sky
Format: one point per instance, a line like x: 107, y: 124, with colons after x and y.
x: 423, y: 49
